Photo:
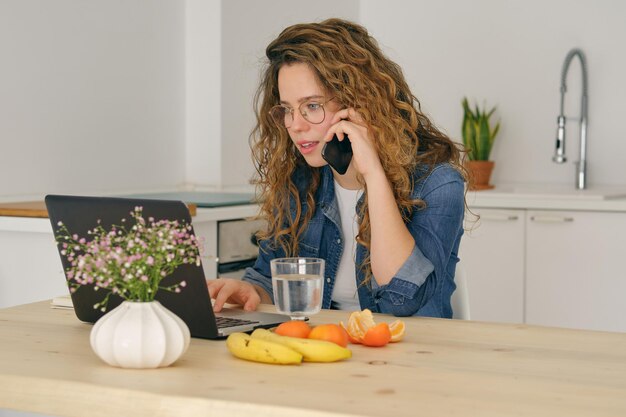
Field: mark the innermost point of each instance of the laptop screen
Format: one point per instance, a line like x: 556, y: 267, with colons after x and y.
x: 80, y: 214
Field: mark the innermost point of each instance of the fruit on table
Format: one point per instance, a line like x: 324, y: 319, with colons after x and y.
x: 312, y: 350
x: 363, y: 329
x: 331, y: 333
x: 245, y: 347
x: 294, y: 328
x: 397, y: 330
x: 377, y: 336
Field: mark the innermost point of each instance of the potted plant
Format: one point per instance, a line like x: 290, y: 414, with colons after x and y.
x: 131, y: 260
x: 478, y: 139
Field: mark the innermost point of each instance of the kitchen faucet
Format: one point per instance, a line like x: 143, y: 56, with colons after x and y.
x: 559, y: 154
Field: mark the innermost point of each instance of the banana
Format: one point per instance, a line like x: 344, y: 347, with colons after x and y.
x: 311, y: 350
x: 243, y: 346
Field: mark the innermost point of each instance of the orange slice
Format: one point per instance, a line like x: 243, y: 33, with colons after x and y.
x: 397, y: 330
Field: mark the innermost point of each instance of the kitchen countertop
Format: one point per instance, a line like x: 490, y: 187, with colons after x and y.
x: 193, y: 199
x: 442, y: 368
x: 38, y: 209
x: 550, y: 197
x: 503, y: 196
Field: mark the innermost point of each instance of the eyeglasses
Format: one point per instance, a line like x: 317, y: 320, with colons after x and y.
x: 312, y: 111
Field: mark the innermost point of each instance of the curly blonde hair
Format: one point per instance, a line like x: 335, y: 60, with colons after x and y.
x: 351, y: 67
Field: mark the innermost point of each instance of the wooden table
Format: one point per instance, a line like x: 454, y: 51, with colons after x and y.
x: 442, y: 368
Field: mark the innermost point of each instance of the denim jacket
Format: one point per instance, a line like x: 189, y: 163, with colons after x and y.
x: 423, y: 284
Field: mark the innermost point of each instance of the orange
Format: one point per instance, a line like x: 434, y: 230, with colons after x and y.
x: 330, y: 332
x: 294, y: 328
x: 361, y: 322
x: 397, y: 330
x: 377, y: 336
x: 351, y: 339
x: 358, y: 323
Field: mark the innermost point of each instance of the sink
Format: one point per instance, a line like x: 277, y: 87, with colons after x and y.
x: 558, y: 191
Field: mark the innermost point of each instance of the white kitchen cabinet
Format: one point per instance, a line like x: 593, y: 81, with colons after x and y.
x: 575, y: 271
x: 30, y: 266
x: 492, y: 255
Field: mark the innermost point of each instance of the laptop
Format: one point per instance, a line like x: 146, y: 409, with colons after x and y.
x: 192, y: 304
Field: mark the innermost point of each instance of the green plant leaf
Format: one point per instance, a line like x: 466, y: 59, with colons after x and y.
x: 483, y: 138
x: 493, y: 134
x: 478, y: 137
x: 468, y: 130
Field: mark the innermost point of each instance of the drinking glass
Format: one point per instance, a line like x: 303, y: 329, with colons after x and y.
x: 298, y: 285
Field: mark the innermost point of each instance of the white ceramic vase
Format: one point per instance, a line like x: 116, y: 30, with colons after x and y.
x: 140, y: 335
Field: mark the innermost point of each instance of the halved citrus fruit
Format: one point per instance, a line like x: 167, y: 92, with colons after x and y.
x: 377, y: 336
x: 360, y: 323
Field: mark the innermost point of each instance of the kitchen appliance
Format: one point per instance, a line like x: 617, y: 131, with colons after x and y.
x: 237, y: 246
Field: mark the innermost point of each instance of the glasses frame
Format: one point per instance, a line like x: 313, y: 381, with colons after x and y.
x: 291, y: 112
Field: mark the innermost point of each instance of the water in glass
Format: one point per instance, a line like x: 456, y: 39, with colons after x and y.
x: 298, y: 285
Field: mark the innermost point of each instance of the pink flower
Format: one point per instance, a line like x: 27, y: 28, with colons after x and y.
x: 122, y: 260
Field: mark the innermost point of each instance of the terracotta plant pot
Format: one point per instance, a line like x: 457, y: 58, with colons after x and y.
x: 480, y: 174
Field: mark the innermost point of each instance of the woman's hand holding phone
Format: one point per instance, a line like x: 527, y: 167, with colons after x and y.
x: 348, y: 123
x: 338, y: 154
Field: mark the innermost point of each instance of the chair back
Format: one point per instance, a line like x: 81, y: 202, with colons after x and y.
x: 460, y: 296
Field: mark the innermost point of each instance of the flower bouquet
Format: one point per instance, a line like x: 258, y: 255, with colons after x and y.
x: 131, y: 261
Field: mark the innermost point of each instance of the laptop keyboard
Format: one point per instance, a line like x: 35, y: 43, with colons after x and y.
x: 224, y: 322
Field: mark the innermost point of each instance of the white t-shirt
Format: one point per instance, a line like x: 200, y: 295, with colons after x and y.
x: 344, y: 291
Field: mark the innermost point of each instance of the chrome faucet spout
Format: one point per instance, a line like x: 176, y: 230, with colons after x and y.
x: 559, y: 154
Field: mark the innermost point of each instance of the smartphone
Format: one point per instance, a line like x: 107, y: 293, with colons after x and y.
x: 338, y: 154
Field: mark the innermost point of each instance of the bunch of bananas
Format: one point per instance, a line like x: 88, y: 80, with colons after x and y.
x: 267, y: 347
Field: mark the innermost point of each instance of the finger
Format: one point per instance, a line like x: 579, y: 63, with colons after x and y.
x: 221, y: 298
x: 252, y: 303
x: 214, y: 286
x: 341, y: 129
x: 347, y: 114
x: 339, y: 116
x: 354, y: 116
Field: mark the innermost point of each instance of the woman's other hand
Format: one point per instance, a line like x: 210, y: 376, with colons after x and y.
x: 234, y: 291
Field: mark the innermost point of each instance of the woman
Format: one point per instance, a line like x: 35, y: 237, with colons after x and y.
x: 389, y: 228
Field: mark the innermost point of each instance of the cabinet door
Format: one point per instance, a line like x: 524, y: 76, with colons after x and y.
x: 30, y: 267
x: 575, y: 270
x: 492, y: 255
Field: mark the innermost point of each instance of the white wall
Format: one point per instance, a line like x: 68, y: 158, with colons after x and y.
x: 91, y: 96
x: 510, y: 54
x: 109, y: 95
x: 203, y: 86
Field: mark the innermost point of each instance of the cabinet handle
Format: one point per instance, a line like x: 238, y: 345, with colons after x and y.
x: 551, y: 219
x: 499, y: 217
